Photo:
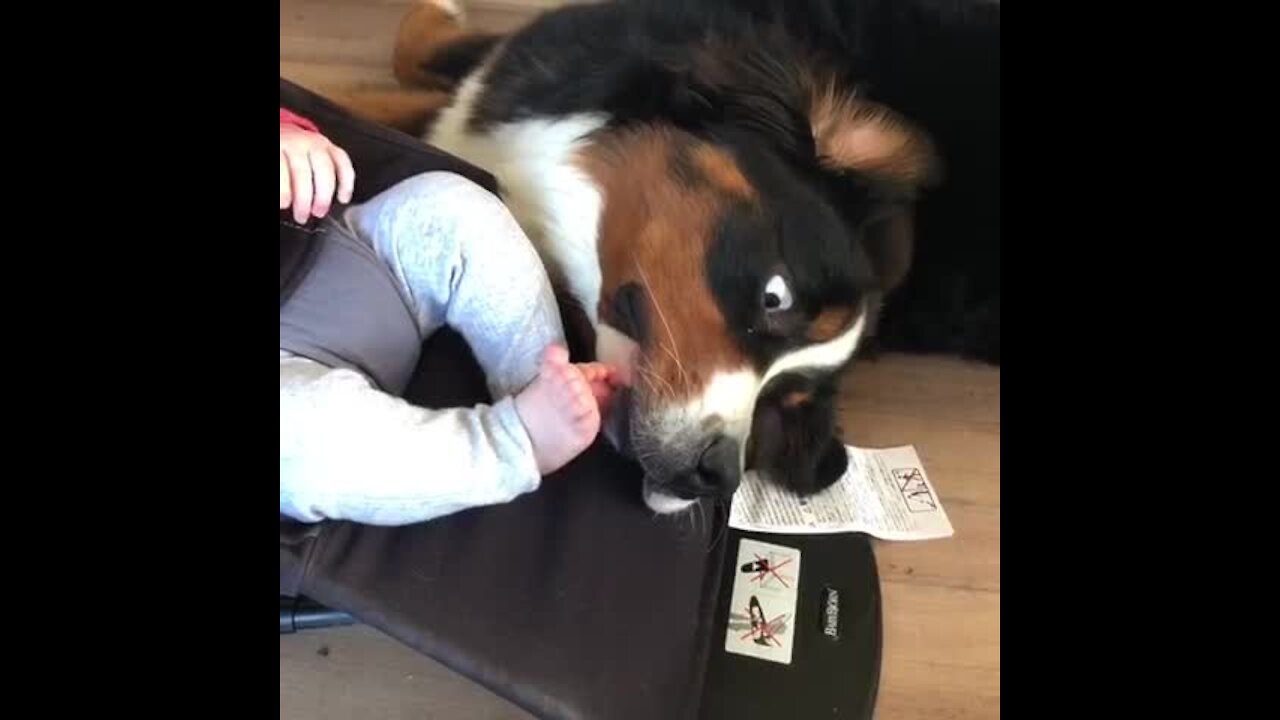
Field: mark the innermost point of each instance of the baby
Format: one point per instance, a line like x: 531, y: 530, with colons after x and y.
x: 433, y: 250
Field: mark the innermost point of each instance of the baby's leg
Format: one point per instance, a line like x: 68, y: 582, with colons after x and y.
x: 462, y: 260
x: 349, y: 451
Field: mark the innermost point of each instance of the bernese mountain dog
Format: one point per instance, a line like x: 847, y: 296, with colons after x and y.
x: 738, y: 196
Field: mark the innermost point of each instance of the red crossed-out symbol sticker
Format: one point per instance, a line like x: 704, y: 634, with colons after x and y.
x: 765, y: 630
x: 763, y: 569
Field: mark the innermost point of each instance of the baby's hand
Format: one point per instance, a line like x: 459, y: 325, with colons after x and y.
x: 310, y: 168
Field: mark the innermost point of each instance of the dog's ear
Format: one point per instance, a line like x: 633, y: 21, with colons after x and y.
x: 890, y: 159
x: 851, y: 133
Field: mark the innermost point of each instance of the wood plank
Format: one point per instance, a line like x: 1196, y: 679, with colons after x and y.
x: 363, y: 33
x: 938, y: 625
x: 969, y: 560
x: 378, y: 22
x: 926, y: 387
x: 913, y: 690
x: 319, y: 77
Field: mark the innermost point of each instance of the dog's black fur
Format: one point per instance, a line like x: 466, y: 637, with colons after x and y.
x: 936, y: 63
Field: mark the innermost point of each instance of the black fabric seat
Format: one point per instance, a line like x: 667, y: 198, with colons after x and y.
x: 574, y: 601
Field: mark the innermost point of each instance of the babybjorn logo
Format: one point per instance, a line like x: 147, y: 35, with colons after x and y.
x: 831, y: 613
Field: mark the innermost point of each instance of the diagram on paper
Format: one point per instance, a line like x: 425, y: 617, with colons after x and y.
x: 915, y: 491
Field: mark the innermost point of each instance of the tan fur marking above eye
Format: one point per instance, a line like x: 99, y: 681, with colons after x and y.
x: 721, y: 170
x: 795, y: 399
x: 830, y: 323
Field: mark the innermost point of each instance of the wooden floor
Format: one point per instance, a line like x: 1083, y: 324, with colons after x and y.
x: 942, y: 598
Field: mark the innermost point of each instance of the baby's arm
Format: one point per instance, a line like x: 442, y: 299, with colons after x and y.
x: 311, y: 169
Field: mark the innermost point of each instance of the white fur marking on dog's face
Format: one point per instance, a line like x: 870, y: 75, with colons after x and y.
x: 664, y: 504
x: 727, y: 403
x: 724, y: 408
x: 556, y: 203
x: 616, y: 349
x: 730, y: 396
x: 825, y: 356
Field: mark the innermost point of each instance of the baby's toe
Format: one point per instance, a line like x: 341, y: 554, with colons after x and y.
x: 585, y: 408
x: 595, y: 372
x: 555, y: 356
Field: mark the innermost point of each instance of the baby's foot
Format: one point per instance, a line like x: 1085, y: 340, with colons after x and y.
x: 604, y: 381
x: 559, y: 411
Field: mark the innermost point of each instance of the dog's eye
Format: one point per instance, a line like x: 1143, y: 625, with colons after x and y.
x: 777, y: 294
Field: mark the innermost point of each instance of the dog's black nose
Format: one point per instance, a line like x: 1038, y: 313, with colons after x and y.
x: 718, y: 471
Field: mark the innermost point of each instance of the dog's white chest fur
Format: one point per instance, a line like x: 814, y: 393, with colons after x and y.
x: 556, y: 203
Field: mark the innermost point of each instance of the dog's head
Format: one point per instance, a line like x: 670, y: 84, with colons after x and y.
x: 754, y: 213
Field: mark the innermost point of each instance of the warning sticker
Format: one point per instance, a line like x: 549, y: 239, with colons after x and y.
x: 763, y: 609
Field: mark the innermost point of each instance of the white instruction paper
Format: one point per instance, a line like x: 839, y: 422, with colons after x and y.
x: 885, y: 493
